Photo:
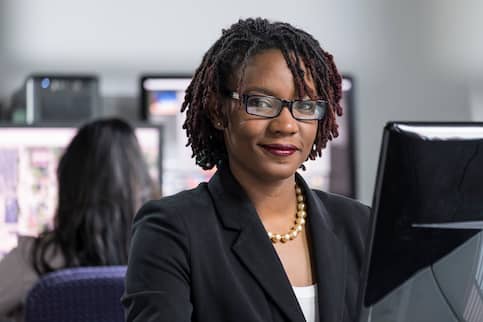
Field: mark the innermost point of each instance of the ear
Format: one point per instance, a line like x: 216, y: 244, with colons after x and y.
x: 217, y: 120
x: 217, y: 124
x: 216, y: 116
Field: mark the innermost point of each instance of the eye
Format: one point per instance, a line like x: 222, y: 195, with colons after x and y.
x: 260, y: 103
x: 307, y: 107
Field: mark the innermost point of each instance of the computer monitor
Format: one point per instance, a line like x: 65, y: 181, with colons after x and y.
x: 424, y: 258
x: 29, y: 157
x: 335, y: 170
x: 161, y: 99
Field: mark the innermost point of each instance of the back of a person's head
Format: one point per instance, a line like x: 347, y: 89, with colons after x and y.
x: 102, y: 180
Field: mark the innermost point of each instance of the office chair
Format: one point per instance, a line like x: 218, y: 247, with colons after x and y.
x: 84, y: 294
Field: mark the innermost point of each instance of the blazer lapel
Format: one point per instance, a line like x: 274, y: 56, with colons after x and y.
x: 261, y: 260
x: 252, y: 247
x: 329, y: 258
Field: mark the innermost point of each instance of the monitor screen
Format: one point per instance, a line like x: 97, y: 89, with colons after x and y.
x: 425, y: 249
x: 161, y: 99
x: 29, y: 156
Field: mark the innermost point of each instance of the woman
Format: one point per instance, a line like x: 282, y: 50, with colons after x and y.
x: 102, y: 181
x: 255, y: 243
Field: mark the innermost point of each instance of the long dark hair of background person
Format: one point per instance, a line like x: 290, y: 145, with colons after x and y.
x: 102, y: 180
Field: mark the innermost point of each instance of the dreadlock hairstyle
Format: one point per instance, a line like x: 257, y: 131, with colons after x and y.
x: 228, y: 58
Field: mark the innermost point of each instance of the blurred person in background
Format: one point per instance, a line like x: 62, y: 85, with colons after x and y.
x: 102, y: 181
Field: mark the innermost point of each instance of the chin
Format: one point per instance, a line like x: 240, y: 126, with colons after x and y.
x: 279, y: 171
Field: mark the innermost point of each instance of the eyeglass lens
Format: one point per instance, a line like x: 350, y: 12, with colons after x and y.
x: 271, y: 107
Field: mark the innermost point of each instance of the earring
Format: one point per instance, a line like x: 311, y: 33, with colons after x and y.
x: 219, y: 125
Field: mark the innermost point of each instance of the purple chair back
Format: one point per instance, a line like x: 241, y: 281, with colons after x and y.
x: 78, y: 295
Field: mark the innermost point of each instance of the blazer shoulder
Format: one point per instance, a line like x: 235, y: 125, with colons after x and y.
x: 350, y: 222
x: 345, y: 212
x: 333, y: 200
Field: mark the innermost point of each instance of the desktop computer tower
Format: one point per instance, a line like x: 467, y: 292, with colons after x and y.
x: 52, y: 98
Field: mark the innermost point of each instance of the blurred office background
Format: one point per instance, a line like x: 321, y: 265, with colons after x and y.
x: 410, y: 59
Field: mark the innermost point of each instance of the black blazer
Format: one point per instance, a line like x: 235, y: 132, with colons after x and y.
x: 204, y: 255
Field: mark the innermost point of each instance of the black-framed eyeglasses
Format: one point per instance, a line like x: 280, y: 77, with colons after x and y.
x: 271, y: 107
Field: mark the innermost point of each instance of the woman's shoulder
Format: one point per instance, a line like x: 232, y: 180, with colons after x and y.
x: 23, y: 250
x: 345, y: 212
x: 18, y: 262
x: 25, y: 243
x: 337, y: 201
x: 17, y: 276
x: 349, y: 220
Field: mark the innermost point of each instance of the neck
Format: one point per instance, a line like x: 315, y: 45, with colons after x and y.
x: 274, y: 199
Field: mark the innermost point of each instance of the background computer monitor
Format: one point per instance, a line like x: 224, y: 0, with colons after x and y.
x: 161, y: 99
x: 29, y: 156
x: 425, y: 249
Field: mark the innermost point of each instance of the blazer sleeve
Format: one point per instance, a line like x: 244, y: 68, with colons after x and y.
x: 158, y: 274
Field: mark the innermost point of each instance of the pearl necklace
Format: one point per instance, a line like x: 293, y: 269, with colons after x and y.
x: 298, y: 224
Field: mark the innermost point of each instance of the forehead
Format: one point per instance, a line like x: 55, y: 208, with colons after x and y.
x: 270, y: 71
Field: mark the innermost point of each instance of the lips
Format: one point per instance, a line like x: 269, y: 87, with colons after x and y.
x: 280, y: 149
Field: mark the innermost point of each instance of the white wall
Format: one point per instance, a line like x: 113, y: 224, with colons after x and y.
x: 396, y: 50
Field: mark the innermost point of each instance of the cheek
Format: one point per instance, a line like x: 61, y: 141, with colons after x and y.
x: 310, y: 132
x: 243, y: 128
x: 243, y: 132
x: 235, y: 133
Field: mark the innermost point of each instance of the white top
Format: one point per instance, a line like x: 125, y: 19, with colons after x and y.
x: 307, y: 297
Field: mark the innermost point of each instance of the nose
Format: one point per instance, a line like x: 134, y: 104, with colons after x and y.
x: 284, y: 123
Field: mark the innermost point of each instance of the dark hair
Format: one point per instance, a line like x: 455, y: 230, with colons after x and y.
x: 229, y: 55
x: 102, y: 181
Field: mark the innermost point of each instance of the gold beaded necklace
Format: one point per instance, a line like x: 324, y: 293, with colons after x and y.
x: 298, y: 224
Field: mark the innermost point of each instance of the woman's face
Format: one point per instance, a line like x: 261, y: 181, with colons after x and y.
x: 267, y: 148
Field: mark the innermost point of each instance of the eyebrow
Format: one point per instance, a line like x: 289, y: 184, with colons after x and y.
x: 260, y: 90
x: 263, y: 91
